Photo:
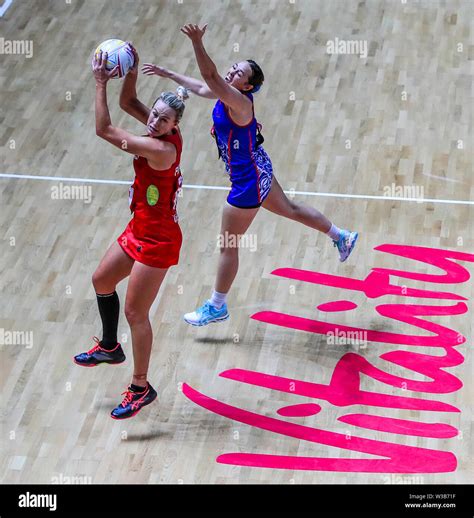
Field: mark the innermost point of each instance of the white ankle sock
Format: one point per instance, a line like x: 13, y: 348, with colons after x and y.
x: 334, y: 232
x: 218, y: 299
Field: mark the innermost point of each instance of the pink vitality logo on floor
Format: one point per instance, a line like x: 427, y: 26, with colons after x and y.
x: 344, y: 388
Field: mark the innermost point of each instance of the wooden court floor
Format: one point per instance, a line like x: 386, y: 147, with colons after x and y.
x: 363, y: 130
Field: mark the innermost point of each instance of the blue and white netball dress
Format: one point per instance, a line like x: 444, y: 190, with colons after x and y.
x: 247, y: 163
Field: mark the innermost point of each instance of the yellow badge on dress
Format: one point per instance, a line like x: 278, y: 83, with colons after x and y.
x: 152, y: 194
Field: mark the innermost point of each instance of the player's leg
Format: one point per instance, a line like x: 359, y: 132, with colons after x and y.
x: 235, y: 222
x: 114, y: 266
x: 278, y: 203
x: 143, y: 287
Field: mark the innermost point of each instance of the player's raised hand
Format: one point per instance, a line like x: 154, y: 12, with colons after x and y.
x: 101, y: 74
x: 155, y: 70
x: 134, y: 69
x: 193, y: 32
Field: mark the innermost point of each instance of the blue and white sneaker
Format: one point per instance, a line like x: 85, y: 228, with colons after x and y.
x: 346, y: 243
x: 207, y: 314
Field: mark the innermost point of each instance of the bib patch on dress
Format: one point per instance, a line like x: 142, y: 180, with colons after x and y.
x: 152, y: 195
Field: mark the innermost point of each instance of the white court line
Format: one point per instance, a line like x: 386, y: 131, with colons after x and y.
x: 218, y: 188
x: 442, y: 178
x: 5, y: 6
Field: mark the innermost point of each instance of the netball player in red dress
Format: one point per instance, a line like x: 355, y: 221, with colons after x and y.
x: 152, y: 240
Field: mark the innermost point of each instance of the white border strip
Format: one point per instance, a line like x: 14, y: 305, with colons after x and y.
x: 218, y: 188
x: 5, y: 6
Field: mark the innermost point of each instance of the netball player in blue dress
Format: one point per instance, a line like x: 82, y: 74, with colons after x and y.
x: 249, y: 167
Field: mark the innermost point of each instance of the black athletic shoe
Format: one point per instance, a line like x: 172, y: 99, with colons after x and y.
x: 133, y: 402
x: 98, y: 355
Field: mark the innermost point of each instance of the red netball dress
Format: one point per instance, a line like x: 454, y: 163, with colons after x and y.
x: 153, y: 236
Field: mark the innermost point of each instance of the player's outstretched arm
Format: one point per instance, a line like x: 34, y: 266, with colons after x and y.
x: 129, y: 101
x: 225, y: 92
x: 161, y: 154
x: 194, y: 85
